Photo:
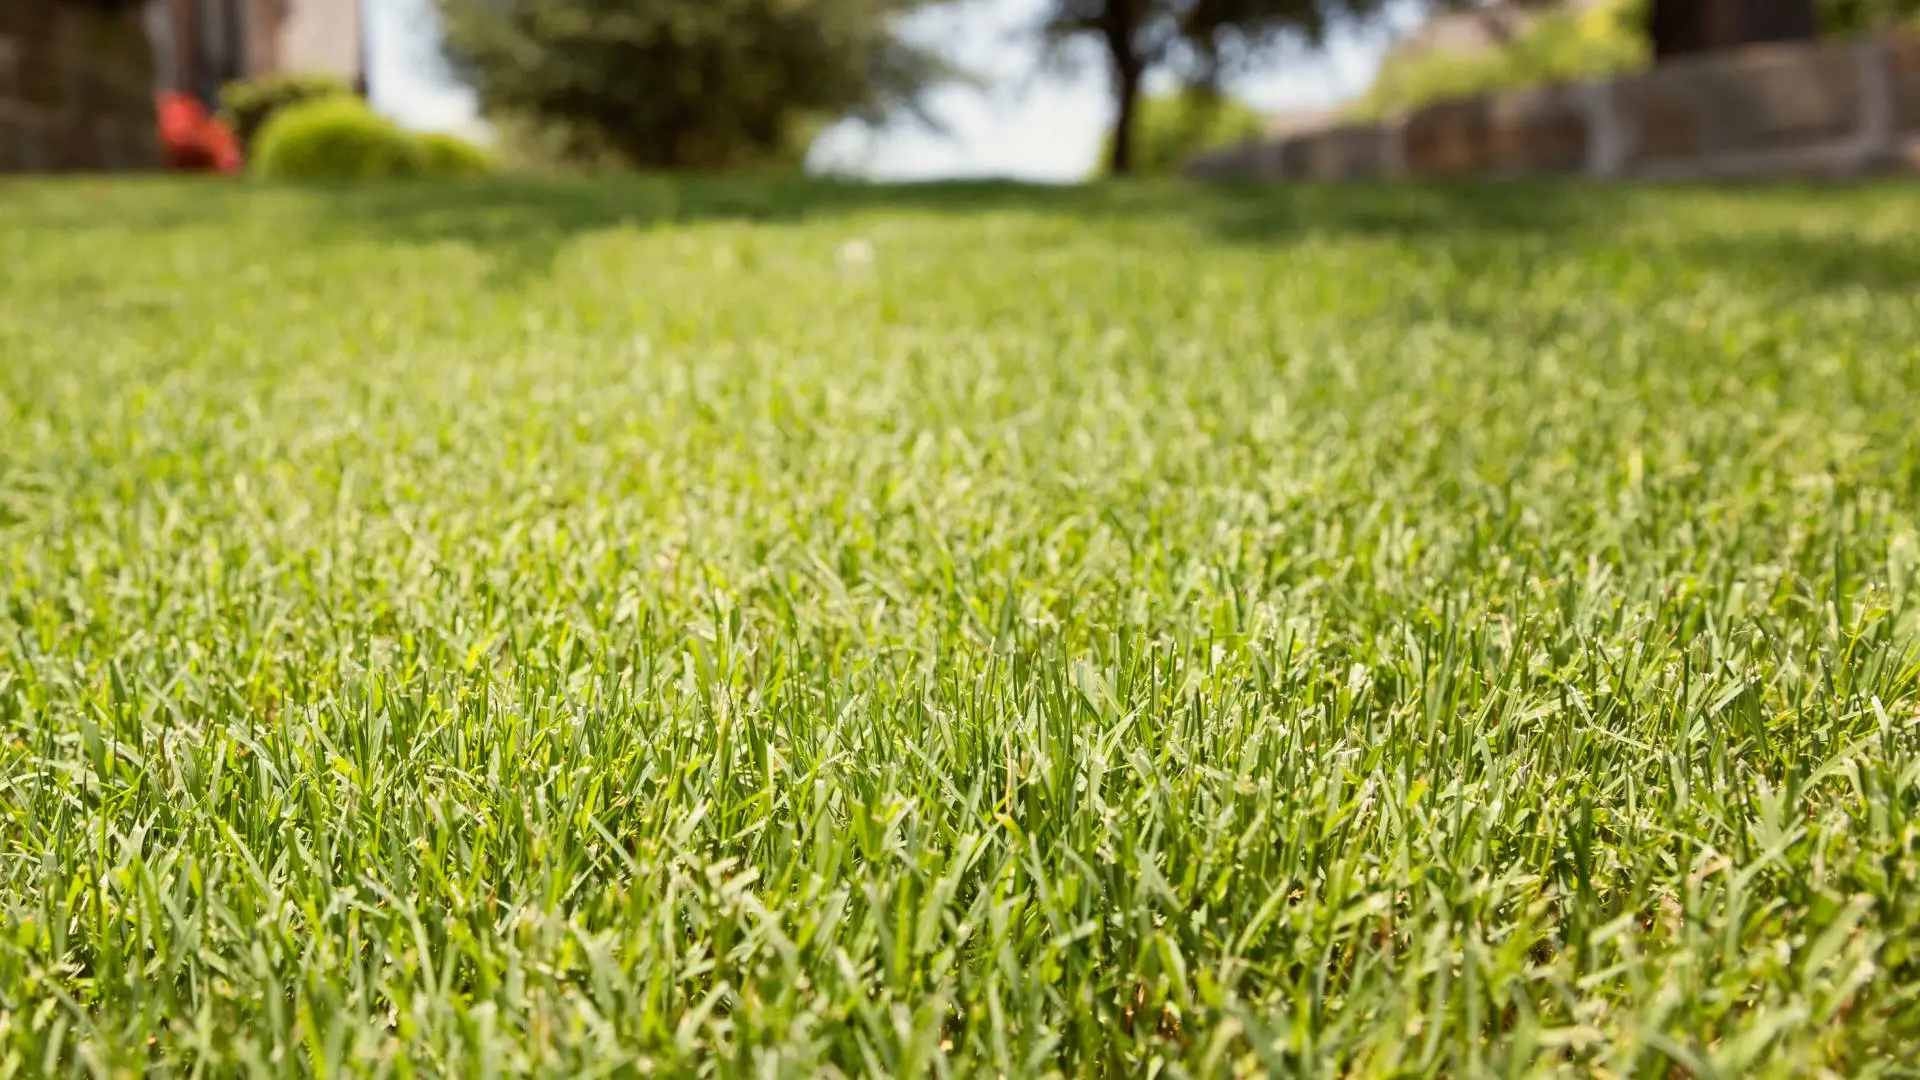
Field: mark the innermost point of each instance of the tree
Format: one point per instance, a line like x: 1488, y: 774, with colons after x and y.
x: 1173, y: 129
x: 1681, y: 27
x: 1200, y: 42
x: 686, y: 83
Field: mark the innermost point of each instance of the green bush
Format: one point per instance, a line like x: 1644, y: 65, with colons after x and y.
x: 336, y: 139
x: 451, y: 155
x: 1854, y: 16
x: 248, y: 104
x: 1605, y: 39
x: 1172, y: 129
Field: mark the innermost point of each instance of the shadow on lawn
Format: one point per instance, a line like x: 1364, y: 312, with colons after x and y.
x: 523, y: 223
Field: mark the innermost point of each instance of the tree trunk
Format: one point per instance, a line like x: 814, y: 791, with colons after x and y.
x: 1119, y: 28
x: 1126, y: 93
x: 1682, y: 27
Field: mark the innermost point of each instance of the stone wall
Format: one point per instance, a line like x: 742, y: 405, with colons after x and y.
x: 76, y: 87
x: 1827, y: 109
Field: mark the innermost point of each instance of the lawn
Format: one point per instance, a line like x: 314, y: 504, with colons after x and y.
x: 769, y: 628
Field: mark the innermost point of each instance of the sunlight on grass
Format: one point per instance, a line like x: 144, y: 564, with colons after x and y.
x: 757, y: 628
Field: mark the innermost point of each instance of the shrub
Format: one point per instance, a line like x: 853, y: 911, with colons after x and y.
x: 536, y: 146
x: 336, y: 139
x: 247, y: 105
x: 451, y: 155
x: 1172, y: 129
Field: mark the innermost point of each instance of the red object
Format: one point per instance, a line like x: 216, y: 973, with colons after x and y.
x: 193, y: 141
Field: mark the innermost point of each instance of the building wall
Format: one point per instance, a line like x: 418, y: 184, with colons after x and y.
x: 322, y: 36
x: 76, y: 88
x: 1825, y: 109
x: 203, y: 44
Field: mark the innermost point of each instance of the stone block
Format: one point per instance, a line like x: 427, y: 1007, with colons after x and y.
x: 118, y: 34
x: 1354, y: 152
x: 1902, y: 53
x: 1225, y: 163
x: 1826, y: 109
x: 9, y: 66
x: 76, y: 87
x: 1759, y: 99
x: 33, y: 20
x: 1535, y: 132
x: 1906, y: 154
x: 43, y: 79
x: 119, y: 146
x: 1264, y: 161
x: 1447, y: 139
x: 102, y: 86
x: 26, y: 149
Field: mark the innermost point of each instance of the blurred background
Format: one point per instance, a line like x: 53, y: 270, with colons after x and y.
x: 1042, y: 90
x: 1026, y: 118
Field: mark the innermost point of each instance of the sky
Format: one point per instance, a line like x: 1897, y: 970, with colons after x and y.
x: 1026, y: 123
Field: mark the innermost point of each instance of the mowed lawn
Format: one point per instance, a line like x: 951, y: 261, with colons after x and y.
x: 626, y: 628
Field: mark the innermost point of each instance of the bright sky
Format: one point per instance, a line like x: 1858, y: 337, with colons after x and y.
x: 1027, y: 123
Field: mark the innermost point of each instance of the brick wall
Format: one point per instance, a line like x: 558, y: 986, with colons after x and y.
x: 1823, y: 109
x: 76, y: 87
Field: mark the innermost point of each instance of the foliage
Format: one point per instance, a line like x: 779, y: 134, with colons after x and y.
x: 451, y: 155
x: 1608, y: 38
x: 248, y: 104
x: 1605, y: 39
x: 1176, y: 127
x: 1854, y: 16
x: 644, y: 629
x: 1200, y: 42
x: 528, y: 146
x: 340, y: 138
x: 335, y: 139
x: 687, y: 83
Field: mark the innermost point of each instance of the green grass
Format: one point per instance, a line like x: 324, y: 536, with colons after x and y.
x: 765, y: 629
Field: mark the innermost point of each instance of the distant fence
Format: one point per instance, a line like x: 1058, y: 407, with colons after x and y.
x: 76, y: 87
x: 1825, y: 109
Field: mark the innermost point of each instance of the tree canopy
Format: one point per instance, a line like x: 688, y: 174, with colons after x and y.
x: 687, y: 83
x: 1199, y: 42
x: 1560, y: 45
